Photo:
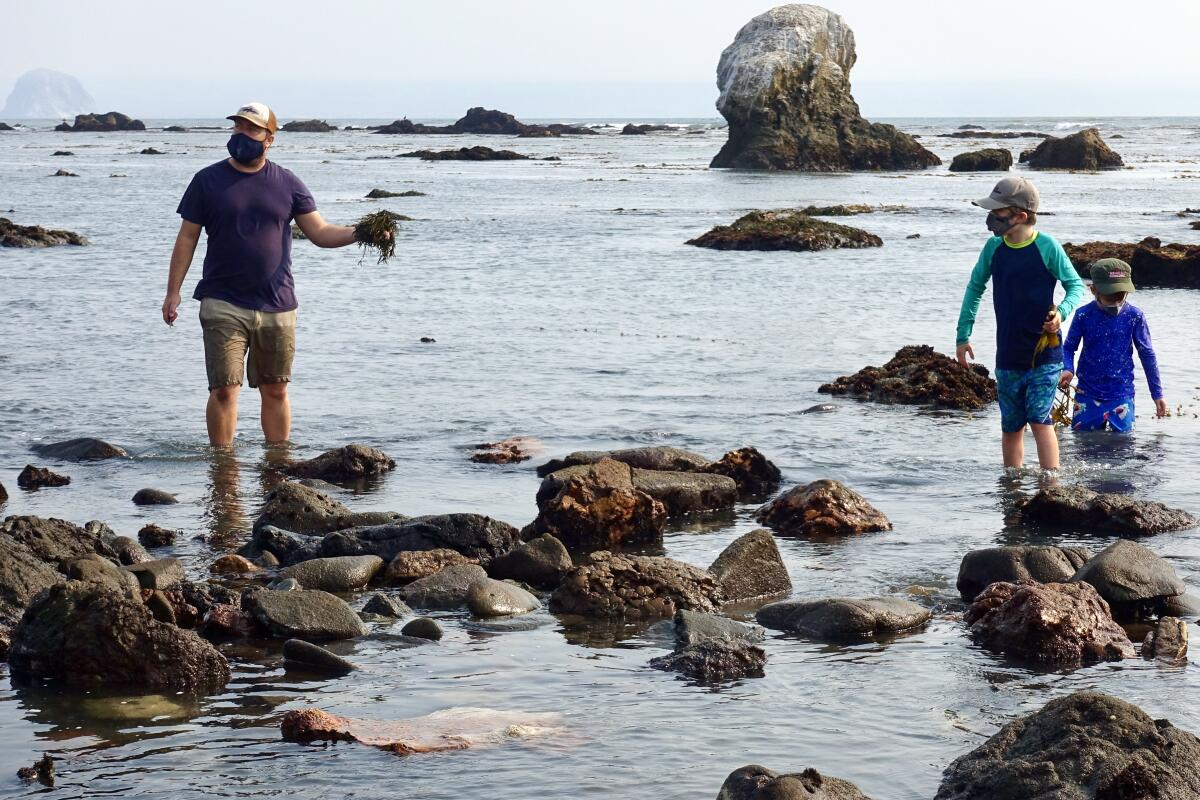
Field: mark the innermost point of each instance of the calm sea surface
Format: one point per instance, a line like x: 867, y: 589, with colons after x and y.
x: 566, y: 307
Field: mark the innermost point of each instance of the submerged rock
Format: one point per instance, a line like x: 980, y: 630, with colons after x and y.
x: 445, y: 589
x: 1079, y: 508
x: 307, y: 126
x: 42, y: 770
x: 385, y: 605
x: 337, y: 574
x: 381, y: 194
x: 750, y: 567
x: 715, y: 661
x: 349, y: 463
x: 82, y: 449
x: 451, y: 729
x: 1082, y: 150
x: 785, y: 90
x: 506, y: 451
x: 695, y: 627
x: 233, y: 564
x: 991, y: 159
x: 1168, y: 642
x: 302, y: 509
x: 491, y: 598
x: 156, y: 536
x: 153, y: 497
x: 1064, y: 624
x: 477, y: 153
x: 631, y: 129
x: 839, y: 618
x: 601, y: 508
x: 1016, y: 564
x: 1172, y: 266
x: 686, y: 492
x: 477, y: 537
x: 413, y: 565
x: 38, y: 477
x: 89, y: 636
x: 753, y: 472
x: 661, y: 459
x: 821, y: 508
x: 1133, y: 579
x: 423, y: 628
x: 753, y: 782
x: 304, y: 614
x: 541, y: 562
x: 312, y: 656
x: 102, y: 123
x: 917, y: 375
x: 1086, y: 746
x: 614, y: 586
x: 785, y: 229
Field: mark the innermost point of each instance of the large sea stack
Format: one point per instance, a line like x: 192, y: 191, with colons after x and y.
x: 785, y: 90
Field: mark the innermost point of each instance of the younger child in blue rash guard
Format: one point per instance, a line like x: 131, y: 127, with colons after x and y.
x: 1110, y: 328
x: 1024, y: 268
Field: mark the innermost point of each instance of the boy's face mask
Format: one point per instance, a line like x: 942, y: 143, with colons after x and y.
x: 999, y: 225
x: 1112, y: 310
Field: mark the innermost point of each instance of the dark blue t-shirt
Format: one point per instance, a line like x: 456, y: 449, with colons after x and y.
x: 248, y: 220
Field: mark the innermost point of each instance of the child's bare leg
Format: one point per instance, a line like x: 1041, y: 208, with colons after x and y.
x: 1013, y: 447
x: 1047, y: 445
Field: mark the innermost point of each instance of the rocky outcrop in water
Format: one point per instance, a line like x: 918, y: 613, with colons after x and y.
x: 1169, y: 266
x: 1168, y: 642
x: 350, y: 463
x: 714, y: 661
x: 475, y: 536
x: 979, y: 134
x: 1082, y: 150
x: 506, y: 451
x: 82, y: 449
x: 477, y: 153
x: 753, y: 782
x: 918, y: 375
x: 785, y: 229
x: 751, y: 566
x: 156, y: 536
x: 479, y: 120
x: 412, y: 565
x: 601, y: 508
x: 338, y: 574
x: 785, y: 90
x: 614, y: 586
x: 1134, y: 580
x: 39, y: 478
x: 541, y: 562
x: 1079, y: 508
x: 314, y: 657
x: 13, y: 235
x: 307, y: 126
x: 991, y: 159
x: 843, y: 618
x: 42, y: 771
x: 1064, y: 624
x: 640, y: 130
x: 821, y: 508
x: 1017, y: 564
x: 304, y: 614
x: 382, y: 194
x: 91, y: 637
x: 661, y: 459
x: 301, y: 509
x: 1086, y: 746
x: 488, y: 598
x: 445, y: 589
x: 153, y: 497
x: 102, y: 123
x: 752, y: 472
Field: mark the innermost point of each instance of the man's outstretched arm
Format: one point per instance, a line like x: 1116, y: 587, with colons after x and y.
x: 322, y: 233
x: 181, y: 259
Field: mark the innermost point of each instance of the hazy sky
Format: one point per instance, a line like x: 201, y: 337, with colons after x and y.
x: 547, y: 58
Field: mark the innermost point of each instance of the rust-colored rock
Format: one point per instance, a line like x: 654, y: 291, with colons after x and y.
x: 821, y: 508
x: 506, y: 451
x: 918, y: 375
x: 614, y: 586
x: 412, y: 565
x: 601, y: 508
x: 753, y: 472
x: 37, y: 477
x: 1066, y: 624
x: 233, y: 564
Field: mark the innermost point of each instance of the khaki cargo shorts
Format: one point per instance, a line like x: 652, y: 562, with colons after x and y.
x: 231, y: 331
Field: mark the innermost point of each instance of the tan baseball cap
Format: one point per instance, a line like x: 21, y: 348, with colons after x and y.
x: 1011, y: 192
x: 259, y: 114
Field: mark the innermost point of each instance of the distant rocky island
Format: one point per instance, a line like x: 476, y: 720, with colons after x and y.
x: 101, y: 123
x: 486, y: 121
x: 46, y: 94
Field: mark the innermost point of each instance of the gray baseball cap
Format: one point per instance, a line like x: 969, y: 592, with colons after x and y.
x: 1012, y: 191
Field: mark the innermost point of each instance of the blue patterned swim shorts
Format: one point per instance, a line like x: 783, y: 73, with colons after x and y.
x: 1026, y: 396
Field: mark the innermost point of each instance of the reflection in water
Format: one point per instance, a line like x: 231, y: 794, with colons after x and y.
x: 224, y: 508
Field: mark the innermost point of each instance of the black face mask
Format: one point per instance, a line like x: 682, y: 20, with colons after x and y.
x: 244, y: 149
x: 999, y: 225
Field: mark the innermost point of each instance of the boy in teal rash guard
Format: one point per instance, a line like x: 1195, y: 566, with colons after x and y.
x: 1024, y: 267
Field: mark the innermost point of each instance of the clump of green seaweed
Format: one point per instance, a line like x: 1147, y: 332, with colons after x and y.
x: 377, y: 232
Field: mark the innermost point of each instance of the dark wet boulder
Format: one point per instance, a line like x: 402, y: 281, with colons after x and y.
x: 350, y: 463
x: 382, y: 194
x: 13, y: 235
x: 843, y: 618
x: 62, y: 173
x: 661, y: 459
x: 784, y: 229
x: 1134, y: 580
x: 990, y: 159
x: 3, y: 494
x: 1175, y: 266
x: 751, y: 566
x: 1063, y: 624
x: 22, y: 575
x: 918, y: 375
x: 287, y: 548
x: 445, y: 589
x: 55, y: 541
x: 336, y: 574
x: 311, y: 656
x: 753, y: 472
x: 422, y: 628
x: 753, y: 782
x: 821, y: 508
x: 1016, y: 564
x: 632, y: 129
x: 295, y: 507
x: 982, y: 134
x: 614, y: 586
x: 1085, y: 746
x: 1079, y: 508
x: 412, y: 565
x: 102, y: 123
x: 39, y: 477
x: 785, y: 90
x: 506, y: 451
x: 90, y: 637
x: 127, y: 551
x: 152, y: 535
x: 541, y: 562
x: 228, y: 621
x: 477, y: 153
x: 307, y: 126
x: 1082, y: 150
x: 385, y: 605
x: 176, y: 129
x: 153, y: 497
x: 491, y: 598
x: 715, y: 661
x: 695, y: 627
x: 306, y: 614
x: 475, y: 536
x: 99, y: 570
x: 601, y: 508
x: 1167, y: 643
x: 82, y: 449
x: 162, y: 573
x: 687, y: 492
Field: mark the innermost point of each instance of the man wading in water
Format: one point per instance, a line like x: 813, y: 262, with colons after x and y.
x: 247, y: 297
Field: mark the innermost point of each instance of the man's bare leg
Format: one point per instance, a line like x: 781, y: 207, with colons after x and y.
x: 1047, y: 445
x: 221, y: 415
x: 276, y: 412
x: 1013, y: 447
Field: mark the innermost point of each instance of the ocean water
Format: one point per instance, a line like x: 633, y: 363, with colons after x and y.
x: 565, y: 306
